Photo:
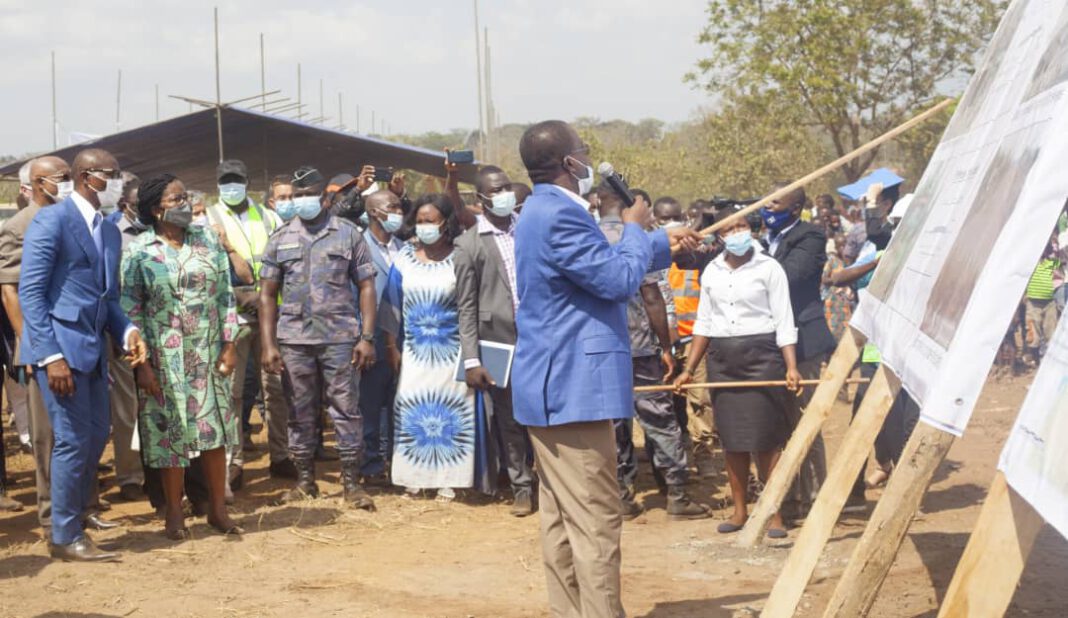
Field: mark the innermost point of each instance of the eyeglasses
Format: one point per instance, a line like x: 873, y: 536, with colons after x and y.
x: 107, y: 173
x: 175, y: 200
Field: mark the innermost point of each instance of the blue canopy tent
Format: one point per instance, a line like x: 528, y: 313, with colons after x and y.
x: 187, y: 146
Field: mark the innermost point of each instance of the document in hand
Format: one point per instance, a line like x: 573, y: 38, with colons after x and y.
x: 496, y: 358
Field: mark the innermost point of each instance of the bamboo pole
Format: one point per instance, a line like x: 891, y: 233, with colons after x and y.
x: 797, y: 448
x: 826, y: 169
x: 657, y: 388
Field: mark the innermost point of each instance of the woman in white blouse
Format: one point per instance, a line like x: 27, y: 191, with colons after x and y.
x: 745, y: 323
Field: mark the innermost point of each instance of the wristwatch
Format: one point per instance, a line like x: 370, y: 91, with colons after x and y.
x: 368, y: 338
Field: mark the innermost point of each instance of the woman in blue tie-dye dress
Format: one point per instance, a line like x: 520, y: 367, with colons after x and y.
x: 434, y: 414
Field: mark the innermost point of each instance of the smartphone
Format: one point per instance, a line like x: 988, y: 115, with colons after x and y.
x: 461, y: 156
x: 383, y: 174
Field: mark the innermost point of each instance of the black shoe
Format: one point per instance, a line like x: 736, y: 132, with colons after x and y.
x: 131, y: 492
x: 305, y: 488
x: 522, y: 505
x: 93, y: 521
x: 680, y: 506
x: 631, y: 509
x: 352, y: 492
x: 81, y: 550
x: 380, y: 480
x: 284, y: 469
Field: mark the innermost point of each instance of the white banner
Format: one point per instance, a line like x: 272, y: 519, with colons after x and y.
x: 946, y: 289
x: 1034, y: 456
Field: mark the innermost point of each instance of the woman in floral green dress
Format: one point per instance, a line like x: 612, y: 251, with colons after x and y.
x: 176, y: 288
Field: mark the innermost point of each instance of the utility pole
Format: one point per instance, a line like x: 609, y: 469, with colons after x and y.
x: 491, y: 155
x: 478, y: 72
x: 157, y: 102
x: 218, y: 89
x: 340, y: 113
x: 55, y: 123
x: 298, y: 88
x: 357, y: 118
x: 118, y: 103
x: 372, y: 122
x: 263, y: 77
x: 322, y: 109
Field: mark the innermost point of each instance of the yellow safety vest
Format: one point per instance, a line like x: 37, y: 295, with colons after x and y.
x: 686, y: 286
x: 248, y: 245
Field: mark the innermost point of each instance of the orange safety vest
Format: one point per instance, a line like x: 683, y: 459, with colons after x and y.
x: 686, y: 286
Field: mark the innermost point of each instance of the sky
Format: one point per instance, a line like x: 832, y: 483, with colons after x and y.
x: 411, y: 61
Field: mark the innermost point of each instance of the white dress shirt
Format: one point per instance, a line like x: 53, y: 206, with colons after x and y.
x: 753, y: 299
x: 774, y: 239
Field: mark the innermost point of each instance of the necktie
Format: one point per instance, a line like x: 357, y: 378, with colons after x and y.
x: 98, y: 240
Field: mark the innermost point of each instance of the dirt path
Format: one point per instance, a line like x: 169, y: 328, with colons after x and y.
x: 421, y: 558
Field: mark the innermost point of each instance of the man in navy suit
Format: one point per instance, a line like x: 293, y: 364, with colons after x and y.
x: 572, y: 372
x: 69, y: 294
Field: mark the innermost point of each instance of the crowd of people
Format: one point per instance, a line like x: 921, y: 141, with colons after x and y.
x: 143, y: 311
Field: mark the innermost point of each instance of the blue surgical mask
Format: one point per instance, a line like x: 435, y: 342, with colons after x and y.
x: 393, y: 222
x: 776, y: 221
x: 286, y: 209
x: 308, y: 207
x: 365, y: 220
x: 232, y: 193
x: 739, y: 243
x: 428, y: 233
x: 503, y: 204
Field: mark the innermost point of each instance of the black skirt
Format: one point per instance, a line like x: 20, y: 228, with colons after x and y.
x: 748, y: 419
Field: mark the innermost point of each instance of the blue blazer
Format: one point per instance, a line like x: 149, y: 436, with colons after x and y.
x: 572, y: 360
x: 65, y: 308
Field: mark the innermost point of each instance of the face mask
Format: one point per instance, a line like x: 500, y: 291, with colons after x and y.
x: 138, y: 225
x: 110, y: 196
x: 585, y: 185
x: 307, y: 207
x: 179, y: 216
x: 200, y: 220
x: 671, y: 225
x: 393, y: 222
x: 428, y: 233
x: 63, y: 190
x: 232, y: 193
x: 365, y: 220
x: 503, y: 204
x: 776, y: 221
x: 286, y: 210
x: 739, y: 242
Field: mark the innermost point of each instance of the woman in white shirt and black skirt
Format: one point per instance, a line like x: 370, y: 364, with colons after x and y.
x: 745, y: 323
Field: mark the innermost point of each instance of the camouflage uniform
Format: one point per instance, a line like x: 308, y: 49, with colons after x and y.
x: 318, y: 326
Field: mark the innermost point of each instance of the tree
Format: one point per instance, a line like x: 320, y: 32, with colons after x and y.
x: 856, y: 67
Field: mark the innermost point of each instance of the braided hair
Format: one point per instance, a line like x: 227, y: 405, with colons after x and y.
x: 150, y: 194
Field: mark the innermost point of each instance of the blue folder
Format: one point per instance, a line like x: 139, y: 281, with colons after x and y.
x: 857, y: 190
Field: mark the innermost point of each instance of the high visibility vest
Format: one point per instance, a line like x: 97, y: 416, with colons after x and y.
x: 686, y: 286
x: 251, y: 244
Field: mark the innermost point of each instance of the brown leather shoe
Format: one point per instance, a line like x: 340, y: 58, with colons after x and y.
x: 95, y: 522
x: 82, y: 550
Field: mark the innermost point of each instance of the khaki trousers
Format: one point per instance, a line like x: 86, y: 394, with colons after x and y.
x: 699, y: 409
x: 277, y: 409
x: 128, y: 470
x: 581, y: 518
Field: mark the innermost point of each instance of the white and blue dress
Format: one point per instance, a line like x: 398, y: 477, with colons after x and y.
x: 434, y: 415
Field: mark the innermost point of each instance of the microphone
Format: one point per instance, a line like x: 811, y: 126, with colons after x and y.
x: 614, y: 180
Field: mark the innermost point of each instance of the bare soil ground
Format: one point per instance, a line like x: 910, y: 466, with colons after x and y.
x: 420, y: 558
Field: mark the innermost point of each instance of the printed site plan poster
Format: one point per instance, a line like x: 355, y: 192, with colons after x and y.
x: 1034, y: 457
x: 945, y: 291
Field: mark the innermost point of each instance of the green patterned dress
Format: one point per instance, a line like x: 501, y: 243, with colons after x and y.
x: 182, y: 301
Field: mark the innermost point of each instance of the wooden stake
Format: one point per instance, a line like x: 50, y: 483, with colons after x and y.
x: 994, y: 559
x: 819, y: 407
x: 819, y: 524
x: 827, y: 169
x: 875, y: 552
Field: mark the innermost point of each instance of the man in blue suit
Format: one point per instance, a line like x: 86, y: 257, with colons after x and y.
x: 572, y: 371
x: 69, y: 294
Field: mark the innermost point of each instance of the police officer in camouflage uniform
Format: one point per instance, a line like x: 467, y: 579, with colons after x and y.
x: 315, y: 338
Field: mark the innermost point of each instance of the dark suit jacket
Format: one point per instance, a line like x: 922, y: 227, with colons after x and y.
x: 482, y: 292
x: 802, y: 253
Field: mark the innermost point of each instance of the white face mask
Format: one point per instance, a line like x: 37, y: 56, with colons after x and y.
x: 585, y: 185
x: 110, y: 196
x: 503, y: 204
x: 63, y: 190
x: 671, y: 225
x: 232, y: 193
x: 392, y: 222
x: 428, y: 233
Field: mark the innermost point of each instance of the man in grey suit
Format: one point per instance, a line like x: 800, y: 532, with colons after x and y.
x: 385, y: 216
x: 484, y: 260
